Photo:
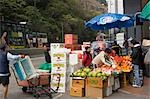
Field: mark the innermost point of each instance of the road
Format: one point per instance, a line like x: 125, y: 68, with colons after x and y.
x: 15, y: 91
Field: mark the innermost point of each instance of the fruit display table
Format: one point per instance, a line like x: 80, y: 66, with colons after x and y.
x: 125, y: 82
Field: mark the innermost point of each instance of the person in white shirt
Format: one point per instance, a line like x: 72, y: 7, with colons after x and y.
x: 5, y: 58
x: 103, y: 58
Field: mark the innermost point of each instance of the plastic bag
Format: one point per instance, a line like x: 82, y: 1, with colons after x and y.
x: 147, y: 57
x: 45, y: 66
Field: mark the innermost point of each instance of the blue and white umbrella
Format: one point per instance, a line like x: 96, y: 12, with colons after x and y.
x: 110, y: 20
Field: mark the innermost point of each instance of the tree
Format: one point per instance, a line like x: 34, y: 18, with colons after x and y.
x: 12, y: 9
x: 51, y: 15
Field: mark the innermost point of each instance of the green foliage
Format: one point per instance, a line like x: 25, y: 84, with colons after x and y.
x: 50, y: 16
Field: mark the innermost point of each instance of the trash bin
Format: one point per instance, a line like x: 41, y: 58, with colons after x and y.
x: 147, y: 70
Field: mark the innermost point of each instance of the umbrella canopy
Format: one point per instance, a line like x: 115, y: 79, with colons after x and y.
x: 110, y: 20
x: 145, y: 14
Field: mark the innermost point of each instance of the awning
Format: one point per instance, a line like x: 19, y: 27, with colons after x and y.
x: 145, y: 14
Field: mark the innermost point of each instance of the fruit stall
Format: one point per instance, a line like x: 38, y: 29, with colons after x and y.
x: 87, y: 81
x: 102, y: 81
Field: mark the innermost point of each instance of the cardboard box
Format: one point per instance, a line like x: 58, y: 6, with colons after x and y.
x: 59, y: 57
x: 58, y: 67
x: 62, y: 87
x: 56, y: 46
x: 71, y: 36
x: 78, y: 83
x: 55, y: 79
x: 96, y: 82
x: 71, y: 41
x: 94, y: 93
x: 77, y: 91
x: 73, y: 46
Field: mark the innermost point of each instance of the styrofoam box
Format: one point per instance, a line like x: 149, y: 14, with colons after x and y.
x: 59, y: 57
x: 56, y: 46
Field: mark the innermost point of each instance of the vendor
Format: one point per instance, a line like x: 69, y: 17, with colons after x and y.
x: 104, y: 58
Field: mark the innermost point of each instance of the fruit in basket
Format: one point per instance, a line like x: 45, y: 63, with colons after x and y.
x: 94, y: 73
x: 79, y: 71
x: 128, y: 58
x: 89, y: 74
x: 75, y: 73
x: 78, y: 74
x: 87, y: 70
x: 99, y: 74
x: 83, y: 74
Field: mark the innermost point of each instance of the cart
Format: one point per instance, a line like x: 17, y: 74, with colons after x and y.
x: 39, y: 84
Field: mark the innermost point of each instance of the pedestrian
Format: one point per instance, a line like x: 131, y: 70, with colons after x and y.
x: 5, y: 57
x: 104, y: 58
x: 116, y: 48
x: 46, y: 53
x: 136, y: 56
x: 87, y: 57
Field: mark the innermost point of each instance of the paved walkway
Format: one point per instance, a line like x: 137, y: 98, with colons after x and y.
x: 116, y: 95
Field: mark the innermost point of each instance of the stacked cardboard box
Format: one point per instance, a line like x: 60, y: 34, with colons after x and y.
x: 98, y: 88
x: 78, y: 87
x: 71, y: 42
x: 59, y: 63
x: 71, y: 39
x: 55, y: 46
x: 73, y: 46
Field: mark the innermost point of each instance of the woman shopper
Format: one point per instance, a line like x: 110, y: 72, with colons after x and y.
x: 87, y: 57
x: 136, y: 56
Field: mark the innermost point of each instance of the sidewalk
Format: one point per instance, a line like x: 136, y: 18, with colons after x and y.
x: 143, y: 91
x: 116, y: 95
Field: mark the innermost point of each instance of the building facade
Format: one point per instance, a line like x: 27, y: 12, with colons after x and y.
x: 131, y: 7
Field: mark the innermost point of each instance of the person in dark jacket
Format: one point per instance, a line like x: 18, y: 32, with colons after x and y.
x: 46, y: 53
x: 5, y: 57
x: 136, y: 56
x: 116, y: 48
x: 87, y: 57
